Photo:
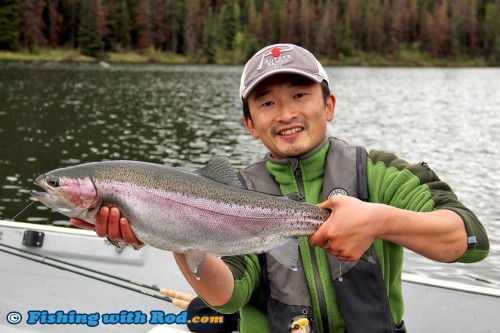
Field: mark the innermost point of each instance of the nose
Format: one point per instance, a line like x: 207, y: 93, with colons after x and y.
x: 287, y: 112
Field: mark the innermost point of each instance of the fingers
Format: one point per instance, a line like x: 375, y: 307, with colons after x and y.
x: 332, y: 244
x: 329, y: 247
x: 101, y: 223
x: 128, y: 235
x: 109, y: 223
x: 320, y: 237
x: 340, y: 254
x: 81, y: 224
x: 114, y: 231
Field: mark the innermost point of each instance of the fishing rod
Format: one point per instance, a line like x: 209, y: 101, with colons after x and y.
x: 155, y: 288
x: 43, y: 259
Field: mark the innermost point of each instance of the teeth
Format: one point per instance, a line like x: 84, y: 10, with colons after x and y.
x: 291, y: 131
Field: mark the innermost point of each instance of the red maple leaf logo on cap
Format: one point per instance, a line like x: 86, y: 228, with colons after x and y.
x: 276, y: 51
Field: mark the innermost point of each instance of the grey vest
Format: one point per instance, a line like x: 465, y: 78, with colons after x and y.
x: 361, y: 293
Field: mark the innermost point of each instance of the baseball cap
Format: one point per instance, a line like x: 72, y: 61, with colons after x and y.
x: 277, y: 59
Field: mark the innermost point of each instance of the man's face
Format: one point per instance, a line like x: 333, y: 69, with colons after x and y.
x: 289, y: 114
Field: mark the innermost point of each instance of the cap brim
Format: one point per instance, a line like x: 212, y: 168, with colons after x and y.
x: 315, y: 77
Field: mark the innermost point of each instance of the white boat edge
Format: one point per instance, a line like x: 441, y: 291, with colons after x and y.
x: 407, y: 277
x: 43, y: 227
x: 431, y: 305
x: 457, y: 286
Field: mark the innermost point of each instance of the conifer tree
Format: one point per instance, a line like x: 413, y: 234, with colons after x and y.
x: 32, y: 24
x: 208, y: 43
x: 491, y: 28
x: 9, y: 24
x: 119, y: 23
x: 89, y: 39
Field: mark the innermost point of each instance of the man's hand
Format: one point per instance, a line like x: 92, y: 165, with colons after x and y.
x: 438, y: 235
x: 350, y: 230
x: 109, y: 223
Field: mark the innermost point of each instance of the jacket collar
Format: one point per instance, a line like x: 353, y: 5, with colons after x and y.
x: 312, y: 164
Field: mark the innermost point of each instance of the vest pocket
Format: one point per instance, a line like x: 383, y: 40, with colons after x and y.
x: 281, y: 315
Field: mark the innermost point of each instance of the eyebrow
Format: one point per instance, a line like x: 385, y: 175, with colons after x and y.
x: 261, y: 93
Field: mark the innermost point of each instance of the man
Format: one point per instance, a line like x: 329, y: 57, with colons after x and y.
x: 379, y: 204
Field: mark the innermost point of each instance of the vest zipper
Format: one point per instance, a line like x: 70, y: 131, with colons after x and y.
x: 317, y: 277
x: 300, y: 182
x: 319, y: 288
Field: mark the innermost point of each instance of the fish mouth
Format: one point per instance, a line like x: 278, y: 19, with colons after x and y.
x: 47, y: 195
x: 44, y: 196
x: 40, y: 196
x: 53, y: 202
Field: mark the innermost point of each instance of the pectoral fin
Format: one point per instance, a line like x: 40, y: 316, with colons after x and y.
x: 195, y: 260
x: 287, y: 253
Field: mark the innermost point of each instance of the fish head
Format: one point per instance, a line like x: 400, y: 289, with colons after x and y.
x: 68, y: 195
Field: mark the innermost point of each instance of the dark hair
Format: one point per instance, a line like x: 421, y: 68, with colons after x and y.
x: 246, y: 109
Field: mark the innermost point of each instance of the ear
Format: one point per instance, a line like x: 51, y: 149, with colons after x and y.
x: 250, y: 127
x: 330, y: 107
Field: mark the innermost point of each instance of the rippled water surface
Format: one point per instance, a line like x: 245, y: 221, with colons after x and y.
x: 55, y: 115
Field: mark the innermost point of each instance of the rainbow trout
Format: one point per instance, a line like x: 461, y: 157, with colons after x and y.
x: 197, y: 213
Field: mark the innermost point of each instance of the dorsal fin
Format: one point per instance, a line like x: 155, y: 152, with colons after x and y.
x: 220, y: 170
x: 296, y: 196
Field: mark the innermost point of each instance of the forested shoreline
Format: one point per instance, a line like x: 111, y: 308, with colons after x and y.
x: 228, y: 31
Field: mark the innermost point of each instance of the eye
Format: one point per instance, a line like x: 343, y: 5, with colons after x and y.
x: 299, y: 95
x: 267, y: 104
x: 53, y: 181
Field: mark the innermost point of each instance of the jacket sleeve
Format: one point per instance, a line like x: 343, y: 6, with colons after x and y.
x: 416, y: 187
x: 246, y: 272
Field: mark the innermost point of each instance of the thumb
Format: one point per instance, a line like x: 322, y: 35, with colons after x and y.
x: 330, y: 203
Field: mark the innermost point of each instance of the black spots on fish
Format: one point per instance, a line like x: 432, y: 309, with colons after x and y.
x: 298, y: 223
x: 113, y: 192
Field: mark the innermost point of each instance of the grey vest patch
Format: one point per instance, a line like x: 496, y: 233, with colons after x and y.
x: 337, y: 191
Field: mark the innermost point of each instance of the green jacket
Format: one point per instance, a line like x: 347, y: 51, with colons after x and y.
x: 391, y: 181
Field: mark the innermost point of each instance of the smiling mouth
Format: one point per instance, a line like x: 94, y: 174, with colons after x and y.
x: 291, y: 131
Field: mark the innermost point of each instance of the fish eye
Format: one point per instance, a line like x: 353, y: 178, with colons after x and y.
x: 53, y: 182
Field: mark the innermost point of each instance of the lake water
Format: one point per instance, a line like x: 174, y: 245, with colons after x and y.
x: 54, y: 115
